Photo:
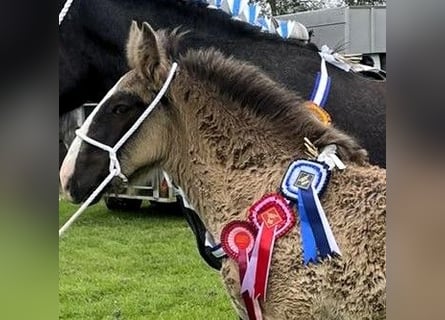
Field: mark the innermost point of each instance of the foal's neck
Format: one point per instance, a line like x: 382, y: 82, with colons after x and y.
x: 224, y: 158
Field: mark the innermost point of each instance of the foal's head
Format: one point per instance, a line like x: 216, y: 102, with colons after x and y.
x: 150, y: 56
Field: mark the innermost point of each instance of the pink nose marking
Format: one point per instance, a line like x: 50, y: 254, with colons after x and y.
x: 66, y: 171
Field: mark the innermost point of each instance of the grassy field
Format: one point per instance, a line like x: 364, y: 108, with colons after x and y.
x: 141, y: 265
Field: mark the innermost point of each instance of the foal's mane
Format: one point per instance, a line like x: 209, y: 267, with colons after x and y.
x: 245, y: 84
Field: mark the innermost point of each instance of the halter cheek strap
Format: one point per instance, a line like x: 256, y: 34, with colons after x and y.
x: 115, y: 168
x: 114, y: 162
x: 64, y: 10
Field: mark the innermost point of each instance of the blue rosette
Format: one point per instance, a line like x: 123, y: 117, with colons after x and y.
x: 303, y: 183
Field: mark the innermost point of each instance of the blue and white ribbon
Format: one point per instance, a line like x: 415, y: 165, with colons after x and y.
x: 303, y: 182
x: 284, y: 28
x: 292, y: 29
x: 310, y: 209
x: 214, y: 4
x: 322, y: 86
x: 266, y: 24
x: 307, y: 236
x: 250, y: 13
x: 234, y: 7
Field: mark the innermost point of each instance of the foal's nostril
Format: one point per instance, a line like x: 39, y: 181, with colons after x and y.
x: 66, y: 189
x: 69, y: 189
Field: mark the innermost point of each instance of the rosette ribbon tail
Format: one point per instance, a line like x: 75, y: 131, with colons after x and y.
x: 255, y: 280
x: 253, y: 310
x: 307, y: 237
x: 266, y: 241
x: 248, y: 282
x: 310, y: 208
x: 238, y: 240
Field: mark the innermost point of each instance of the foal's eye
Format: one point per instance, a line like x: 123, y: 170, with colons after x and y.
x: 120, y: 109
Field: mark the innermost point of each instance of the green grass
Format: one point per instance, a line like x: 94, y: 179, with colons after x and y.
x: 141, y: 265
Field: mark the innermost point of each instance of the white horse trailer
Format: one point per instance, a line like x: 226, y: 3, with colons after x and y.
x: 155, y: 187
x: 358, y: 30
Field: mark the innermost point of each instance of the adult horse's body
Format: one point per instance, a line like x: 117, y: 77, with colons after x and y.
x: 226, y: 133
x: 92, y: 59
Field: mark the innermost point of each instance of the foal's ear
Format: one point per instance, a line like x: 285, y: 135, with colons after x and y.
x: 144, y: 52
x: 133, y: 40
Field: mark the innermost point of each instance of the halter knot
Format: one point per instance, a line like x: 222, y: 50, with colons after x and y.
x: 115, y: 167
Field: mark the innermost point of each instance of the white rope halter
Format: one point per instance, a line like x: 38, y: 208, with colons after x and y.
x: 114, y: 168
x: 64, y: 10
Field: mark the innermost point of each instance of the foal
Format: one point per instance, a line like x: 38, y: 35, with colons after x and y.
x: 227, y: 133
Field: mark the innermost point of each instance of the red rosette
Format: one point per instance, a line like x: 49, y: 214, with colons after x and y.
x: 237, y: 236
x: 274, y: 211
x: 237, y: 240
x: 274, y: 218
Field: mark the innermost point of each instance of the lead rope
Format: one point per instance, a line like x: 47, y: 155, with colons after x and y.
x: 64, y: 10
x: 115, y: 169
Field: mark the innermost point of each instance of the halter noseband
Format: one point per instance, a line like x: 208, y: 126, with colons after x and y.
x: 115, y: 168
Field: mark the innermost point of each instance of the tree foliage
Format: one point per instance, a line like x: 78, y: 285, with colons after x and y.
x: 365, y: 2
x: 278, y: 7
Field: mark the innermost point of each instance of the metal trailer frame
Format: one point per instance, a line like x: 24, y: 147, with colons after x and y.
x: 157, y: 187
x: 153, y: 190
x: 356, y: 30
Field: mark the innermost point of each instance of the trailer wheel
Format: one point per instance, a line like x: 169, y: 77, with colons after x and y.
x: 166, y: 207
x: 120, y: 204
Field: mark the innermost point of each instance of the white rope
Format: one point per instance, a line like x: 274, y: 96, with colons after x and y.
x: 64, y: 10
x: 114, y: 168
x: 86, y: 203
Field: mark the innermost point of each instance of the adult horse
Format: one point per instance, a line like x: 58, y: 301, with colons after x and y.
x: 92, y: 59
x: 226, y: 132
